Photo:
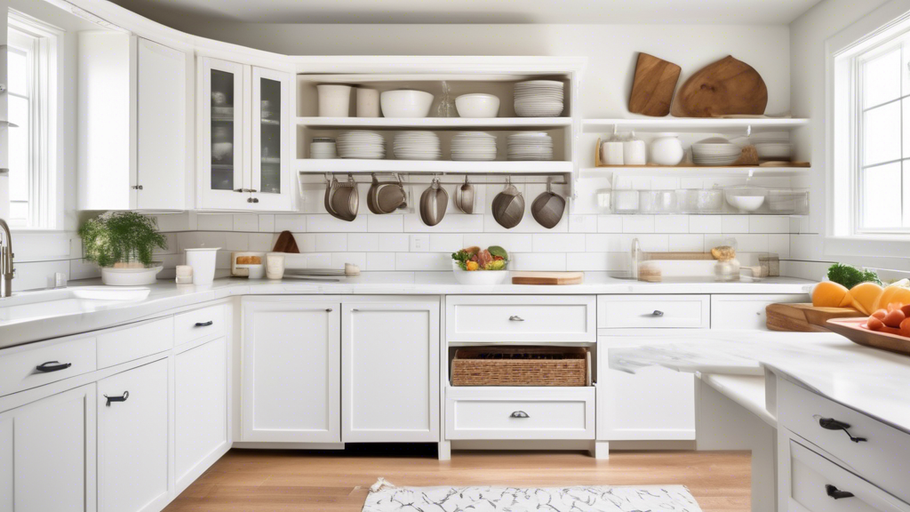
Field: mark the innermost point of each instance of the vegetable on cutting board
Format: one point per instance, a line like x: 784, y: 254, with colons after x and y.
x: 850, y: 276
x: 828, y: 294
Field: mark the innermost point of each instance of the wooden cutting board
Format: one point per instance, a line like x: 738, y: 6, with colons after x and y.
x: 548, y: 278
x: 286, y: 243
x: 804, y: 317
x: 725, y: 87
x: 653, y: 86
x: 851, y: 328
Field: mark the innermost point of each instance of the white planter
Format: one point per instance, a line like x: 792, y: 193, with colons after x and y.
x: 129, y: 276
x: 479, y: 277
x: 203, y: 262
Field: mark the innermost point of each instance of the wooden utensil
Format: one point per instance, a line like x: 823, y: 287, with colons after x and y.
x: 802, y: 317
x: 725, y: 87
x: 286, y: 243
x: 548, y: 278
x: 653, y: 86
x: 851, y: 328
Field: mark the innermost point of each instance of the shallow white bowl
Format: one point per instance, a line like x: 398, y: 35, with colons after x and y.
x: 477, y: 105
x: 745, y: 203
x: 405, y: 103
x: 479, y: 277
x: 129, y: 276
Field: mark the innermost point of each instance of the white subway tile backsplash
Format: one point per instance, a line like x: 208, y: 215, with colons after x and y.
x: 419, y: 243
x: 194, y: 239
x: 769, y: 224
x: 671, y: 224
x: 306, y: 242
x: 237, y: 241
x: 363, y: 242
x: 538, y: 261
x: 36, y: 275
x: 246, y: 222
x: 648, y: 242
x: 609, y: 224
x: 262, y: 242
x: 510, y: 242
x: 171, y: 241
x: 293, y: 223
x: 81, y: 269
x: 583, y: 223
x: 380, y: 261
x: 451, y: 223
x: 319, y: 260
x: 686, y: 243
x: 735, y: 223
x: 559, y: 242
x: 705, y: 224
x: 339, y: 259
x: 173, y: 222
x: 213, y: 222
x: 446, y: 243
x: 603, y: 243
x: 637, y: 223
x: 597, y: 261
x: 423, y: 261
x: 331, y: 242
x: 266, y: 223
x: 751, y: 243
x: 391, y: 223
x: 329, y: 224
x: 780, y: 245
x: 394, y: 242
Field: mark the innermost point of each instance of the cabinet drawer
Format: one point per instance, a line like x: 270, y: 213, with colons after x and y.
x: 520, y: 413
x: 819, y: 485
x: 881, y: 458
x: 510, y: 318
x: 19, y: 366
x: 746, y: 311
x: 129, y: 343
x: 198, y: 324
x: 653, y: 311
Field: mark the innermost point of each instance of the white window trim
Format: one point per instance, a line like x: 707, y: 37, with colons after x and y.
x: 841, y: 107
x: 51, y: 156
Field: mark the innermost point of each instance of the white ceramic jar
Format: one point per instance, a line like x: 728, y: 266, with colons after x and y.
x: 334, y: 100
x: 634, y: 151
x: 367, y: 102
x: 666, y: 149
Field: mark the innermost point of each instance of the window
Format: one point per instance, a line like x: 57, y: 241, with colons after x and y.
x: 32, y: 99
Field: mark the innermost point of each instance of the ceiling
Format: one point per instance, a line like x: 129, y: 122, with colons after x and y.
x: 751, y: 12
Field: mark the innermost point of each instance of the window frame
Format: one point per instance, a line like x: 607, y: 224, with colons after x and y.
x: 46, y: 196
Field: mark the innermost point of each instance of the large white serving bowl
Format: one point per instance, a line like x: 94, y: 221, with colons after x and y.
x: 479, y: 277
x: 405, y: 103
x: 477, y: 105
x: 130, y: 276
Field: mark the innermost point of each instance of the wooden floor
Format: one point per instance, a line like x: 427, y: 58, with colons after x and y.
x: 273, y: 481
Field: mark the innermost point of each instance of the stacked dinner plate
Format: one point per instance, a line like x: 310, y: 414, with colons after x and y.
x: 360, y: 144
x: 539, y: 98
x: 323, y: 147
x: 417, y: 146
x: 772, y: 145
x: 473, y: 146
x: 715, y: 151
x: 530, y: 146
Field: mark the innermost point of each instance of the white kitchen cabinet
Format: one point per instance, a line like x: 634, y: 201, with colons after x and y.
x: 291, y: 370
x: 133, y: 127
x: 200, y: 409
x: 47, y: 454
x: 246, y: 141
x: 390, y: 370
x: 734, y: 312
x: 520, y: 318
x: 133, y: 439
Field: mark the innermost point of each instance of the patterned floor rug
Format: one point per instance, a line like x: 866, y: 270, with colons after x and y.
x: 659, y: 498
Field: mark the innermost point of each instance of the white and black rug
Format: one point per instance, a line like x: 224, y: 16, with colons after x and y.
x: 659, y: 498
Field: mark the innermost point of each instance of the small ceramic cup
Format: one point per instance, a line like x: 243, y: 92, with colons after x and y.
x: 367, y: 102
x: 274, y: 266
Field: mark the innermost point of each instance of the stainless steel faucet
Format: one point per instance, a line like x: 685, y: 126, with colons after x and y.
x: 6, y: 261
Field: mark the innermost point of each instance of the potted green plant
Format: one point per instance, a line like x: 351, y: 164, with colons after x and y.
x: 122, y: 244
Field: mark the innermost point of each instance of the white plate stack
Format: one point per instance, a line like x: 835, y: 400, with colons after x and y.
x: 361, y: 144
x: 530, y: 146
x: 772, y: 145
x: 416, y: 146
x: 539, y: 98
x: 474, y: 146
x: 323, y: 148
x: 715, y: 151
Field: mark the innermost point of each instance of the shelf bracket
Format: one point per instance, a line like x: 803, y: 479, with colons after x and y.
x: 748, y: 130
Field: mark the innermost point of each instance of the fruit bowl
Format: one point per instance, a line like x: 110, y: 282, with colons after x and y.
x: 479, y: 277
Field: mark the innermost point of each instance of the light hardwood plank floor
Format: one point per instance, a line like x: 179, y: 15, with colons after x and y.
x: 277, y: 481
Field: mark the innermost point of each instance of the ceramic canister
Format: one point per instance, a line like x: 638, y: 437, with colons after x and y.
x: 367, y: 102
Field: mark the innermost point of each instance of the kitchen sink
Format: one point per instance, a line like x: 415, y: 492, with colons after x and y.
x: 32, y: 305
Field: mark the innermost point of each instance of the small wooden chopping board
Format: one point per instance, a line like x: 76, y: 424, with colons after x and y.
x: 653, y: 86
x: 804, y: 317
x: 548, y: 278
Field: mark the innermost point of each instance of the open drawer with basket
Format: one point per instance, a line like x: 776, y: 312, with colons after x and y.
x: 521, y: 366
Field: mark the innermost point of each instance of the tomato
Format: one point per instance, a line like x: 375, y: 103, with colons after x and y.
x: 894, y: 318
x: 874, y: 324
x: 905, y: 327
x: 881, y: 314
x: 906, y: 309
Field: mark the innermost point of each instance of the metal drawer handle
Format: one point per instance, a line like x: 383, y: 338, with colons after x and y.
x: 519, y: 414
x: 121, y: 398
x: 205, y: 324
x: 833, y: 424
x: 657, y: 313
x: 52, y: 366
x: 836, y: 493
x: 329, y: 310
x: 516, y: 318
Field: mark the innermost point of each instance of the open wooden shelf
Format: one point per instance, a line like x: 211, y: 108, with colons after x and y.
x: 359, y: 166
x: 434, y: 122
x: 693, y: 124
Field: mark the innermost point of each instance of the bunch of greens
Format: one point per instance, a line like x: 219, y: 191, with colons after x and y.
x: 850, y: 276
x: 121, y: 237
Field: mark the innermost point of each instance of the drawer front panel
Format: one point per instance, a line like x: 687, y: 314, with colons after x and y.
x: 653, y: 311
x: 122, y: 345
x: 520, y: 318
x: 198, y: 324
x: 27, y: 367
x: 882, y: 458
x: 819, y: 485
x: 746, y: 311
x: 517, y: 413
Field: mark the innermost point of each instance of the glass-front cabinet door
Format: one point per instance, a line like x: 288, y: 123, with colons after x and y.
x: 271, y: 147
x: 222, y: 167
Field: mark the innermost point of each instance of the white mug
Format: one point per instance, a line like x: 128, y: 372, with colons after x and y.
x: 367, y: 102
x: 611, y: 153
x: 634, y: 152
x: 274, y: 266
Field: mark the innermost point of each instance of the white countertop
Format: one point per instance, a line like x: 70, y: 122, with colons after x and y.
x: 166, y: 295
x: 874, y: 382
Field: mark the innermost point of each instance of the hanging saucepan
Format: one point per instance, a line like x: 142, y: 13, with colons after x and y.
x: 548, y: 208
x: 346, y: 201
x: 464, y: 197
x: 433, y: 204
x: 390, y: 197
x: 508, y: 207
x: 372, y: 194
x: 330, y: 188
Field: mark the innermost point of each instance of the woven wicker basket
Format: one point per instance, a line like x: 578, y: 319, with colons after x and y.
x: 520, y: 366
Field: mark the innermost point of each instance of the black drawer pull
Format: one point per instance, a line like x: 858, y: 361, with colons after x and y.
x: 833, y: 424
x: 519, y: 414
x: 657, y: 313
x: 52, y: 366
x: 121, y: 398
x: 205, y: 324
x: 836, y: 493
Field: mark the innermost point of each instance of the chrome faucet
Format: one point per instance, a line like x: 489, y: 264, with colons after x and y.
x: 6, y: 262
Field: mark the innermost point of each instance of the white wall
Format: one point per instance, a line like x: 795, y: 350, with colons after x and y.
x: 4, y: 153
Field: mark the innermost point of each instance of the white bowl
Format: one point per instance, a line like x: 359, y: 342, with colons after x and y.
x: 477, y: 105
x: 479, y: 277
x: 405, y: 103
x: 745, y: 199
x: 129, y: 276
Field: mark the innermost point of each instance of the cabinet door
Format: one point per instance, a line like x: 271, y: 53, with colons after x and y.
x: 746, y: 311
x: 390, y: 371
x: 132, y: 439
x: 653, y: 404
x: 272, y: 141
x: 47, y: 454
x: 200, y: 409
x: 291, y: 365
x: 161, y: 131
x: 222, y: 138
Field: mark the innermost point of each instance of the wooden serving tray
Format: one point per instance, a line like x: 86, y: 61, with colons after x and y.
x: 548, y: 278
x: 802, y: 317
x: 852, y: 329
